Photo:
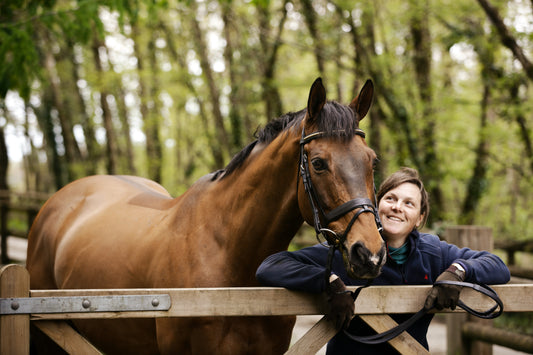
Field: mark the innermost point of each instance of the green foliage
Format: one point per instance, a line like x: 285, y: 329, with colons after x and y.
x: 18, y: 58
x: 355, y: 41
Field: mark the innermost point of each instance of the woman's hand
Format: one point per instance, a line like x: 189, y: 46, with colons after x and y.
x: 341, y: 303
x: 446, y: 296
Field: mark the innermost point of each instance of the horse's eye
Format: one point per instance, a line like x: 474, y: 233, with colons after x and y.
x: 319, y: 164
x: 375, y: 163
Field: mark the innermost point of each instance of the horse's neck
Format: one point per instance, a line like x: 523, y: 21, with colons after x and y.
x: 259, y: 202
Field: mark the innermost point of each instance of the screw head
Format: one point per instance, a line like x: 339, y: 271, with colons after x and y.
x: 86, y: 303
x: 15, y: 305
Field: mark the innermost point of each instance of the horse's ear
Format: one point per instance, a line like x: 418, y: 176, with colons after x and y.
x: 361, y: 104
x: 316, y: 101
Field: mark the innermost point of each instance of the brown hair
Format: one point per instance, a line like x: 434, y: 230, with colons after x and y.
x: 400, y: 177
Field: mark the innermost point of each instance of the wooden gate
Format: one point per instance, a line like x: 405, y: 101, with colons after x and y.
x: 49, y: 308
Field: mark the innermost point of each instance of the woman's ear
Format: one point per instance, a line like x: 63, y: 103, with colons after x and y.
x: 419, y: 222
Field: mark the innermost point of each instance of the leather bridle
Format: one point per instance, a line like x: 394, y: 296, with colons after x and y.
x: 365, y: 205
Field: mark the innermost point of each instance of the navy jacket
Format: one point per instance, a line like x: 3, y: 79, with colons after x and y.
x: 303, y: 270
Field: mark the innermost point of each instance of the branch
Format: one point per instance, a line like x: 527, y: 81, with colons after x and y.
x: 506, y: 37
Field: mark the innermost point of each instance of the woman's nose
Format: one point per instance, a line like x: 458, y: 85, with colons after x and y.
x: 396, y: 206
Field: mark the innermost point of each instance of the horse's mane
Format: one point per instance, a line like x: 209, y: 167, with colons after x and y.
x: 335, y: 120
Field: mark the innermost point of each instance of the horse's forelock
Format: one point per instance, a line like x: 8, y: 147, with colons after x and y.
x: 337, y: 120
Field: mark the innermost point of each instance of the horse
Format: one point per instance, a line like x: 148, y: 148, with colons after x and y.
x: 110, y: 231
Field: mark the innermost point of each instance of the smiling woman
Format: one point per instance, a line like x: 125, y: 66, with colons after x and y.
x: 414, y: 258
x: 403, y: 206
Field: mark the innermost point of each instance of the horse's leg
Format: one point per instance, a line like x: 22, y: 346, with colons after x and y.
x: 120, y: 336
x: 219, y: 335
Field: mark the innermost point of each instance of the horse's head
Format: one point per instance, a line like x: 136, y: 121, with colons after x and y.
x: 336, y: 192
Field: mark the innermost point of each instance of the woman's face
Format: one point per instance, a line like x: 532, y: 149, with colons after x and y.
x: 399, y: 211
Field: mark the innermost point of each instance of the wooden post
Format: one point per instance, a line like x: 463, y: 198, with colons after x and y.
x: 14, y: 329
x: 476, y: 238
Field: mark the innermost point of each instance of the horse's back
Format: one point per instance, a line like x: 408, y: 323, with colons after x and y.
x: 93, y: 215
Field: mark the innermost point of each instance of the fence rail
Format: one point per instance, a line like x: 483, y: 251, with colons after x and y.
x: 373, y: 305
x: 21, y: 202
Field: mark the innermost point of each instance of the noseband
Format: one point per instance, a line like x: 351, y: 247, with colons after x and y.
x: 364, y: 204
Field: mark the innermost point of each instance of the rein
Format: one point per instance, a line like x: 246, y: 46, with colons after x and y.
x: 491, y: 313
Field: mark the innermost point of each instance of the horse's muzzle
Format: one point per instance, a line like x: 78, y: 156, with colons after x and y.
x: 362, y: 263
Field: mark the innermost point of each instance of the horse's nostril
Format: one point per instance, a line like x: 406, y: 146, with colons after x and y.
x: 360, y: 253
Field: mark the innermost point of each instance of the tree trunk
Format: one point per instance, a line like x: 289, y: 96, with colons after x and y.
x: 71, y: 149
x: 32, y: 167
x: 430, y: 169
x: 399, y: 111
x: 92, y: 155
x: 125, y: 130
x: 525, y: 132
x: 177, y: 56
x: 271, y: 96
x: 150, y: 119
x: 236, y: 119
x: 111, y: 140
x: 478, y: 181
x: 311, y: 22
x: 44, y: 117
x: 152, y: 122
x: 203, y: 55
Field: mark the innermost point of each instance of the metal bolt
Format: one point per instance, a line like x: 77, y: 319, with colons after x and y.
x: 86, y: 303
x: 15, y: 305
x: 155, y: 302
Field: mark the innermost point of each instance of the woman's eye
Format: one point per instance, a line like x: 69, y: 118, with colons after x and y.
x: 319, y: 164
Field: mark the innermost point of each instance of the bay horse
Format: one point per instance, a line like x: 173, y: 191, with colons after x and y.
x: 128, y: 232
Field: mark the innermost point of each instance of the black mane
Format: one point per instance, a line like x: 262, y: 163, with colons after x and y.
x: 335, y: 120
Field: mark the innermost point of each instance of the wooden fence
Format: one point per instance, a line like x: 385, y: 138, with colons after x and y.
x: 19, y: 305
x: 511, y: 247
x: 27, y: 203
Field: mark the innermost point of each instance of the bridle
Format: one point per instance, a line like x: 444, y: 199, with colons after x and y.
x: 365, y: 205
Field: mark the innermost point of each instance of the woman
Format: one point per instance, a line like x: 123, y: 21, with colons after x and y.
x: 414, y: 258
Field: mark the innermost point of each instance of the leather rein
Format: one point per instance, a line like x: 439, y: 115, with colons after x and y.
x: 491, y: 313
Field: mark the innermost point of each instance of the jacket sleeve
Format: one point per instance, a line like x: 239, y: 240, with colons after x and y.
x: 301, y: 270
x: 480, y: 266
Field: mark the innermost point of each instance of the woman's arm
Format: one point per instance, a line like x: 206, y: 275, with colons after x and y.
x: 480, y: 266
x: 301, y: 270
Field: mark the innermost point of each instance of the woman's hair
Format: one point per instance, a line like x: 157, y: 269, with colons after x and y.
x: 400, y: 177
